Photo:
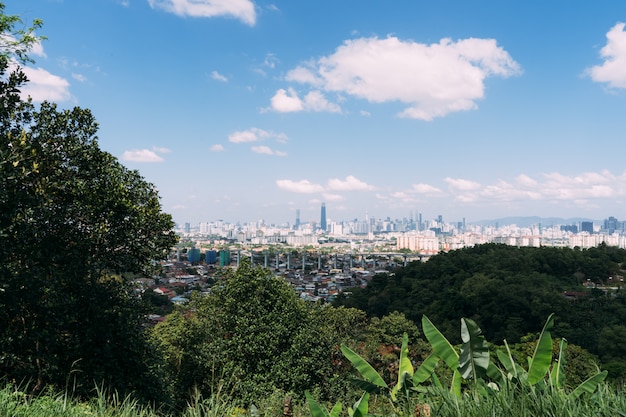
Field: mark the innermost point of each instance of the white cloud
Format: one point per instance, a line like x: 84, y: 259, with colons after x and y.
x: 303, y: 186
x: 426, y: 189
x: 243, y: 137
x: 37, y: 50
x: 217, y: 148
x: 286, y: 101
x: 613, y: 70
x: 239, y: 9
x: 462, y: 184
x: 433, y: 80
x: 315, y: 101
x: 305, y: 76
x: 266, y: 150
x: 551, y: 187
x: 79, y: 77
x: 255, y: 134
x: 218, y: 77
x: 351, y: 183
x: 141, y: 155
x: 525, y: 180
x: 161, y: 149
x: 270, y: 61
x: 43, y: 85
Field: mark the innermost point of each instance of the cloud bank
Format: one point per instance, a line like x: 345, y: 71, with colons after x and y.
x: 238, y: 9
x: 145, y: 155
x: 432, y: 80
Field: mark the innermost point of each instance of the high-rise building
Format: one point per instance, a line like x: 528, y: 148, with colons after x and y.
x: 323, y: 224
x: 586, y: 227
x: 296, y: 226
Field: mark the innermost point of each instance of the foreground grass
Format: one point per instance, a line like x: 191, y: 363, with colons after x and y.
x: 605, y: 402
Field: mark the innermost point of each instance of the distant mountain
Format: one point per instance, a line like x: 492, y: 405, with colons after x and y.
x: 533, y: 220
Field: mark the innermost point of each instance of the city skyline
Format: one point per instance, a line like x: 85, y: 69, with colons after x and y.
x: 266, y: 109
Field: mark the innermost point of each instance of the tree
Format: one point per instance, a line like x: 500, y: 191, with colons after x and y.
x: 73, y: 219
x: 15, y: 44
x: 253, y: 336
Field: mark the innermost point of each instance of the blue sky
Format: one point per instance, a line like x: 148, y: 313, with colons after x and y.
x: 245, y: 110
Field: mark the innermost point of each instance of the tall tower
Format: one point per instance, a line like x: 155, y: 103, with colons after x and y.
x: 323, y: 224
x: 297, y: 225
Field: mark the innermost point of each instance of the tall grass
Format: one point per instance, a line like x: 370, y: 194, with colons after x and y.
x: 510, y: 402
x: 527, y: 402
x: 16, y: 403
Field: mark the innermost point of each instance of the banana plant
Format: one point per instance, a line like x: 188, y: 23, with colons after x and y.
x: 318, y: 411
x: 471, y: 363
x: 372, y: 382
x: 542, y: 371
x: 405, y: 388
x: 359, y: 409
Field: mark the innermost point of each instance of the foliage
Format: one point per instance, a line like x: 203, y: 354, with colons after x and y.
x: 255, y: 336
x: 16, y: 43
x: 508, y: 291
x: 73, y: 219
x: 471, y: 361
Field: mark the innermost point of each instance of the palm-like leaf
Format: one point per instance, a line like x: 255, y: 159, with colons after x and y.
x: 405, y: 368
x: 426, y: 369
x: 589, y: 385
x: 539, y: 363
x: 474, y: 358
x: 513, y: 369
x: 365, y: 369
x: 360, y: 407
x: 441, y: 346
x: 557, y: 375
x: 316, y: 409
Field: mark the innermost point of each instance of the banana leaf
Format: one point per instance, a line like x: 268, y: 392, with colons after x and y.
x: 441, y: 346
x: 539, y: 363
x: 426, y: 369
x: 360, y: 407
x: 365, y: 369
x: 513, y: 369
x: 455, y: 385
x: 557, y: 374
x: 316, y: 409
x: 405, y: 367
x: 474, y: 358
x: 589, y: 385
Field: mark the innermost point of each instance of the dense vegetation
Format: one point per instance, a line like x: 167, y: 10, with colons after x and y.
x: 74, y: 338
x: 73, y: 219
x: 508, y: 291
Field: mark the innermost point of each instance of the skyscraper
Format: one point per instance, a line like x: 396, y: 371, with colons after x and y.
x: 323, y: 224
x: 297, y: 225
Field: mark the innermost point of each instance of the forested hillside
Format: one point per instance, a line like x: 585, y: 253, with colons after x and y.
x: 508, y: 291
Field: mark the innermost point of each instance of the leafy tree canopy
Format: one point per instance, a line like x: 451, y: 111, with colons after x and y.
x: 507, y: 290
x: 72, y: 220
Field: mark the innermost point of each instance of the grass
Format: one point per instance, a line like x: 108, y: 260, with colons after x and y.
x: 605, y: 402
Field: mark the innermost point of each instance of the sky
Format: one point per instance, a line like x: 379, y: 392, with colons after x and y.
x: 246, y: 110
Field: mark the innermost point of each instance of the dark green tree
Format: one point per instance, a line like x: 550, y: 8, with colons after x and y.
x: 253, y: 336
x: 73, y: 219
